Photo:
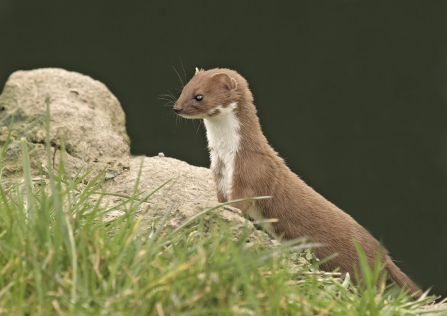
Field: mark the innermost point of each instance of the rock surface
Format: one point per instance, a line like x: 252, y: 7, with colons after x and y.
x: 190, y: 190
x: 85, y: 116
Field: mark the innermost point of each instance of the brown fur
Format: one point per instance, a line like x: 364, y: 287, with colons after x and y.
x: 259, y: 171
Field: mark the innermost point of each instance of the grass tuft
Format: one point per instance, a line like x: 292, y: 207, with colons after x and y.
x: 59, y: 257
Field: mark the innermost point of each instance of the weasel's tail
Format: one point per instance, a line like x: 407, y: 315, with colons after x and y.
x: 402, y: 280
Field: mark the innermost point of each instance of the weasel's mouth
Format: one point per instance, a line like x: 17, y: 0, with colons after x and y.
x: 188, y: 114
x: 190, y: 117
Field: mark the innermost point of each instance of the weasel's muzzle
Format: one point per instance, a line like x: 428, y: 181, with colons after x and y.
x: 177, y: 109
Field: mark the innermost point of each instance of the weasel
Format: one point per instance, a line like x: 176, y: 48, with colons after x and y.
x: 245, y: 165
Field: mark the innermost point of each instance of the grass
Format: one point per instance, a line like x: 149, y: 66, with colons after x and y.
x: 59, y: 257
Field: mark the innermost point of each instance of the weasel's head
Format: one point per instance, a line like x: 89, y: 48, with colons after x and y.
x: 210, y: 93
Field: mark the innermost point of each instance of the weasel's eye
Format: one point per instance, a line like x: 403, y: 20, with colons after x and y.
x: 198, y: 97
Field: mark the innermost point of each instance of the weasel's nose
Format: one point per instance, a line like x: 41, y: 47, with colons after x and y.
x: 177, y: 109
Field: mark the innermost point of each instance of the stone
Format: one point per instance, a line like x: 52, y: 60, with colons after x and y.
x: 85, y: 117
x: 180, y: 190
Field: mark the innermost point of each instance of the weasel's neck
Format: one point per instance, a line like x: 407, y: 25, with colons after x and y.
x: 223, y: 133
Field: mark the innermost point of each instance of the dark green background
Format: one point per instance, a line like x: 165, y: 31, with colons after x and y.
x: 351, y: 93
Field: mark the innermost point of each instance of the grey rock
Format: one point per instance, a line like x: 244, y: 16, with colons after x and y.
x: 185, y: 191
x: 85, y: 116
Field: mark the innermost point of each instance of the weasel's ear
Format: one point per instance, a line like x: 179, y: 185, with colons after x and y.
x: 197, y: 71
x: 228, y: 82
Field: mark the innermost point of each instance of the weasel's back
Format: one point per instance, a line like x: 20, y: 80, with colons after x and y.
x: 304, y: 212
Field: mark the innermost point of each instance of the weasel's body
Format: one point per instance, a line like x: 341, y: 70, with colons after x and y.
x: 245, y: 165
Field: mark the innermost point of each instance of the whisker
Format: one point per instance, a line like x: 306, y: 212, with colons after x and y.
x: 168, y: 104
x: 169, y: 100
x: 168, y: 96
x: 165, y: 98
x: 198, y: 127
x: 179, y: 76
x: 184, y: 73
x: 172, y: 94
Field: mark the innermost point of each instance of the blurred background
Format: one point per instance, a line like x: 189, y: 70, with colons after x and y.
x: 353, y: 94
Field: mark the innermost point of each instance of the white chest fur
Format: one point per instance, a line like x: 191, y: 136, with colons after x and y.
x: 223, y: 136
